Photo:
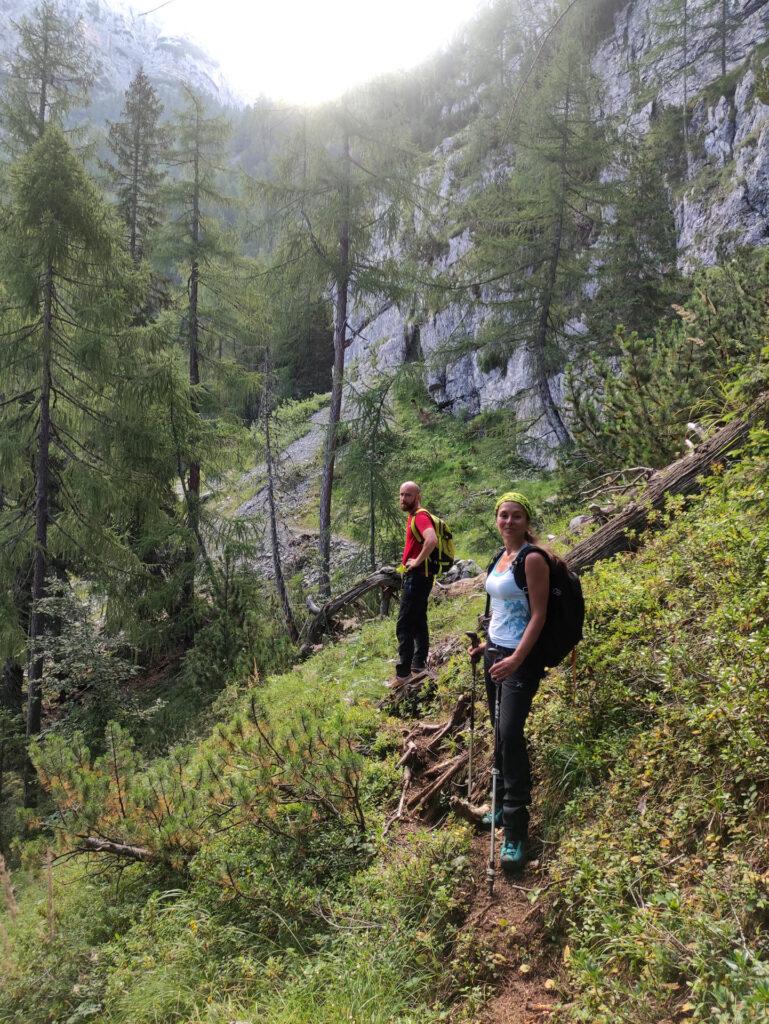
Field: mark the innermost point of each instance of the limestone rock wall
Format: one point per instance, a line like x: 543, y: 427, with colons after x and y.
x: 723, y: 202
x: 122, y: 41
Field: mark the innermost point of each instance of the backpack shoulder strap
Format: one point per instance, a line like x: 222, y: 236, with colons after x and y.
x: 494, y: 560
x: 491, y: 565
x: 519, y: 565
x: 414, y: 528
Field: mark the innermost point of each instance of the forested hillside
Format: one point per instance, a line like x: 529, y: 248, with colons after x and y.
x: 226, y: 335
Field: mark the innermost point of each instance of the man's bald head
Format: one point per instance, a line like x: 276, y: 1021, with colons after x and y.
x: 409, y: 496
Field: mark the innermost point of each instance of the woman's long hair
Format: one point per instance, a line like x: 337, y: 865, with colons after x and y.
x: 531, y: 538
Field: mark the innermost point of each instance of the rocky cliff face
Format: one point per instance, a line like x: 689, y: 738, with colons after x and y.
x: 122, y: 41
x: 723, y: 201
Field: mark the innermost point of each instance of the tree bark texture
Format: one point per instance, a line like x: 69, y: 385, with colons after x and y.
x: 342, y: 285
x: 42, y: 512
x: 277, y: 565
x: 124, y: 851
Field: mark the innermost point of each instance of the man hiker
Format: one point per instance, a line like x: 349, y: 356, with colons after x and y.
x: 421, y: 541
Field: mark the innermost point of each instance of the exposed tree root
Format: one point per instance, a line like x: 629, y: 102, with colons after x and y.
x: 445, y: 771
x: 468, y: 811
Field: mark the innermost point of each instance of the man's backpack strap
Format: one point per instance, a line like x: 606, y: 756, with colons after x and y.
x: 419, y: 538
x: 415, y: 529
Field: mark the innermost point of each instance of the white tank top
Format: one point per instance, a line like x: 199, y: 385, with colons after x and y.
x: 509, y: 608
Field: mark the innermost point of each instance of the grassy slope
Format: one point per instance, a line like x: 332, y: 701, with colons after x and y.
x: 661, y: 882
x: 154, y: 946
x: 652, y: 778
x: 461, y: 466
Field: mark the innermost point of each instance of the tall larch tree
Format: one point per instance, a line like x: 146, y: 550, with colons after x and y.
x: 345, y: 183
x: 195, y: 245
x: 49, y: 72
x: 138, y: 143
x: 532, y: 228
x: 67, y: 287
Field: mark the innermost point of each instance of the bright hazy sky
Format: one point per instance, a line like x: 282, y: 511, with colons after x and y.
x: 306, y: 52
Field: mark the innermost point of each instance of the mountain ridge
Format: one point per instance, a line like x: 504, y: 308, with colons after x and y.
x: 124, y: 40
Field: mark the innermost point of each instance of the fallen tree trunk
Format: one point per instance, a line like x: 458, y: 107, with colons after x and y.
x: 386, y: 578
x: 681, y: 477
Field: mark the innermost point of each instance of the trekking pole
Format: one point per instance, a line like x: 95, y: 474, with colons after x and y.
x: 491, y: 871
x: 473, y: 637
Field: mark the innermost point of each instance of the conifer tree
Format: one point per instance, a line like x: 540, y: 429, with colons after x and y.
x: 721, y: 21
x: 341, y: 288
x: 637, y: 276
x: 194, y: 243
x: 368, y: 462
x: 687, y: 33
x: 673, y: 54
x: 67, y: 288
x: 635, y: 409
x: 138, y: 143
x: 344, y: 181
x: 49, y: 73
x: 532, y: 228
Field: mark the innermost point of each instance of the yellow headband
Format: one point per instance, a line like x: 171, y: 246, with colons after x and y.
x: 519, y: 499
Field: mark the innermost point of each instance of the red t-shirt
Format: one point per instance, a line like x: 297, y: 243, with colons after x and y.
x: 413, y: 547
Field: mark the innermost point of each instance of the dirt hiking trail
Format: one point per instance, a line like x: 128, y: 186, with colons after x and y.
x: 507, y: 929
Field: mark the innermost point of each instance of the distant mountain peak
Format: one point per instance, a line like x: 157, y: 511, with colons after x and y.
x: 124, y: 39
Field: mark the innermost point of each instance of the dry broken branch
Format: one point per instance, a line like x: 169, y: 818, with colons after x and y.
x: 468, y: 811
x: 93, y: 844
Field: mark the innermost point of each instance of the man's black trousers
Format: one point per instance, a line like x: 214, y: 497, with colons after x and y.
x: 412, y: 633
x: 518, y: 690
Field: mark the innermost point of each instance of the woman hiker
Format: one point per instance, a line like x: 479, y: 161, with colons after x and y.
x: 511, y: 659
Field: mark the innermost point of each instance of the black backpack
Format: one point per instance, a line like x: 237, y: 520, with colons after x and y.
x: 565, y: 605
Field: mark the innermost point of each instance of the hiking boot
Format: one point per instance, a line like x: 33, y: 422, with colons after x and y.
x: 399, y: 682
x: 512, y: 856
x: 485, y: 822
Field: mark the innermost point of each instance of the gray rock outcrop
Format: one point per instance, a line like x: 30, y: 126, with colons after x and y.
x: 722, y: 202
x: 122, y: 40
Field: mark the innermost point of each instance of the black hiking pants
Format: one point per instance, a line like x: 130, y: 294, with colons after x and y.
x: 518, y: 691
x: 412, y: 632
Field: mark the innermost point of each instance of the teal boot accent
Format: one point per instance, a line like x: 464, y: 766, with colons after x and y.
x: 512, y: 856
x: 485, y: 822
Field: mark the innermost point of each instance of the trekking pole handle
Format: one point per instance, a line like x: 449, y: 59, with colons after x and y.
x: 473, y: 638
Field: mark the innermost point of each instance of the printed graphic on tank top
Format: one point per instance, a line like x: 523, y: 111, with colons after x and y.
x: 509, y: 608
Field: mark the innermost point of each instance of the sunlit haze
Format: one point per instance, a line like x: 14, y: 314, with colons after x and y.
x: 304, y: 51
